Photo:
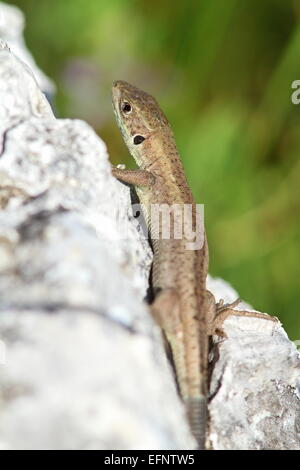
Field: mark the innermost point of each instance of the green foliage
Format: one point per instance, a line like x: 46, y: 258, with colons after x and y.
x: 222, y: 71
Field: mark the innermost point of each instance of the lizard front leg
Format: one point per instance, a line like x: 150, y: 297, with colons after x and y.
x: 136, y: 177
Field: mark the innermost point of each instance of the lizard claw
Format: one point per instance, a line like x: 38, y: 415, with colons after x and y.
x: 220, y: 306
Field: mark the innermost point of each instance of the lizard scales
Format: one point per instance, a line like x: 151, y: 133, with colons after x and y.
x: 178, y: 274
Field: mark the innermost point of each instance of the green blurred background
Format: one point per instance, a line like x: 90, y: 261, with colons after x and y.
x: 222, y: 71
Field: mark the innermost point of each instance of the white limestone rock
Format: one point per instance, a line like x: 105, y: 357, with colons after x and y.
x: 255, y: 388
x: 12, y: 23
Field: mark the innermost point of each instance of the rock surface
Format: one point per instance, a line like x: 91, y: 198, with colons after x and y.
x: 12, y: 23
x: 83, y: 365
x: 255, y: 388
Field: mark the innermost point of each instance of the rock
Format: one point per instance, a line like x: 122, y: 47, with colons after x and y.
x: 255, y: 386
x: 12, y: 24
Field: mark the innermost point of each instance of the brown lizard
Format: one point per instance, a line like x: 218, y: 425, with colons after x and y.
x: 184, y: 309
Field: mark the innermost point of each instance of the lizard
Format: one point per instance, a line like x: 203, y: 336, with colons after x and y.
x: 185, y: 310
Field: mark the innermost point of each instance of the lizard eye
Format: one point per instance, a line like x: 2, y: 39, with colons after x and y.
x: 126, y: 108
x: 138, y: 139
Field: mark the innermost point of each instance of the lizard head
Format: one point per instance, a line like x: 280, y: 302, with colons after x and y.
x: 139, y: 118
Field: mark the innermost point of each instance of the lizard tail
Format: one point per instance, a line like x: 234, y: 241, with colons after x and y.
x: 197, y: 415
